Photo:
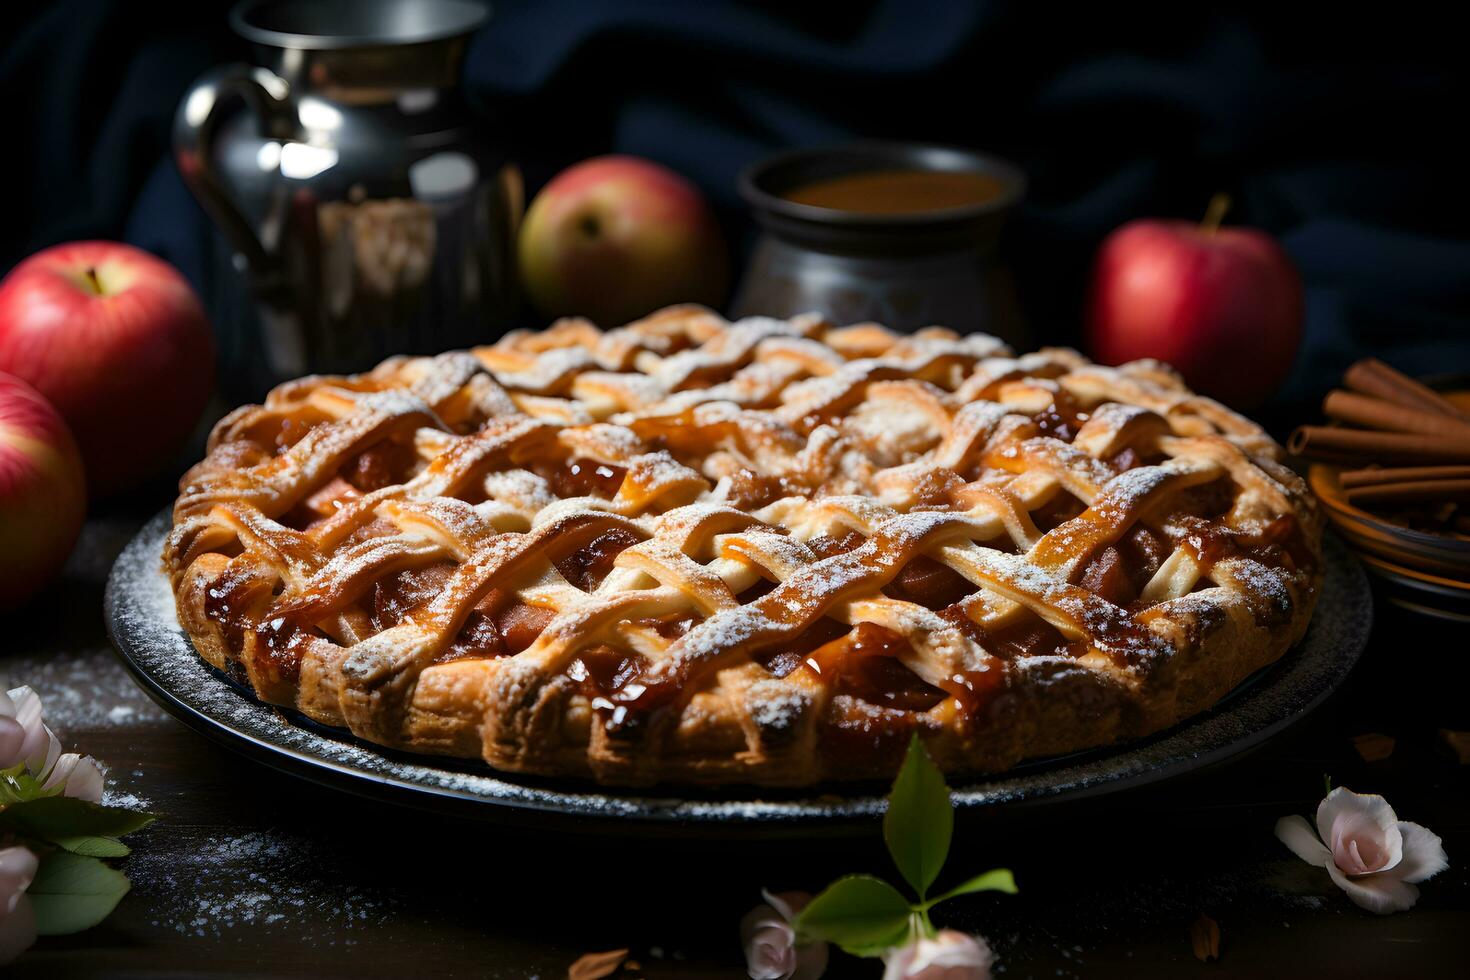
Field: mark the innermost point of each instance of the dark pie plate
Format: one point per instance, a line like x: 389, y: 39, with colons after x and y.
x: 145, y: 631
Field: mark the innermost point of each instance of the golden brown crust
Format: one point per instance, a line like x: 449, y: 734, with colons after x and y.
x: 763, y: 552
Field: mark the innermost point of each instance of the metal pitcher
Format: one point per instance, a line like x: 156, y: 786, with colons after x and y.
x: 362, y: 213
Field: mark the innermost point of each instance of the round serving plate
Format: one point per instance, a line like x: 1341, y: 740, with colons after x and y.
x: 145, y: 630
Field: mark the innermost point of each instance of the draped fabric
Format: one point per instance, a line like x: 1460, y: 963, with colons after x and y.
x: 1335, y: 134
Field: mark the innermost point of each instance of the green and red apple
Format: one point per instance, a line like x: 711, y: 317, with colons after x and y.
x: 117, y: 341
x: 43, y: 494
x: 1223, y: 305
x: 618, y: 237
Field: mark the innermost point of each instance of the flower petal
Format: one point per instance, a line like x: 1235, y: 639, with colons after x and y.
x: 17, y: 871
x: 1344, y: 801
x: 1424, y: 855
x: 896, y: 961
x: 789, y: 904
x: 38, y: 739
x: 811, y: 961
x: 85, y: 782
x: 1297, y: 834
x: 1361, y: 831
x: 12, y: 737
x: 77, y: 776
x: 17, y: 931
x: 1381, y: 893
x: 949, y: 955
x: 769, y: 943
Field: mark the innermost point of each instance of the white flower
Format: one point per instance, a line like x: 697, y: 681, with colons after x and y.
x: 950, y: 955
x: 25, y: 738
x: 1370, y: 853
x: 17, y: 923
x: 771, y: 950
x: 78, y: 776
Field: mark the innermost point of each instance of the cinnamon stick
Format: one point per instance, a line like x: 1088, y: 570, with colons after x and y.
x: 1371, y: 376
x: 1379, y: 475
x: 1352, y: 445
x: 1376, y: 413
x: 1434, y: 491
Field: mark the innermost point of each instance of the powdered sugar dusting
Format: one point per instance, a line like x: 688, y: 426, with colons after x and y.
x: 83, y: 689
x: 244, y: 884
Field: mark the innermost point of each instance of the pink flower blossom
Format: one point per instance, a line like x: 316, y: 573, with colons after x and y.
x: 17, y: 923
x: 76, y: 775
x: 1369, y: 853
x: 25, y: 738
x: 949, y: 955
x: 771, y: 949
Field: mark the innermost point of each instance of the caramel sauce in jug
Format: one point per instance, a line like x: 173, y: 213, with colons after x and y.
x: 898, y: 191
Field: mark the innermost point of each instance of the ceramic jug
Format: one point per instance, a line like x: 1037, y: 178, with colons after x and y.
x: 361, y: 210
x: 905, y: 270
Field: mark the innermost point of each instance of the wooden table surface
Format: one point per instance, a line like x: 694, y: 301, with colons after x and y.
x: 248, y: 872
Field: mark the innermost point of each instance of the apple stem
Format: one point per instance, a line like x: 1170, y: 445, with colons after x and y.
x: 1215, y: 213
x: 93, y: 281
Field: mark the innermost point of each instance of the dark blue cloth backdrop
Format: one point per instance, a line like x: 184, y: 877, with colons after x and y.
x: 1339, y: 134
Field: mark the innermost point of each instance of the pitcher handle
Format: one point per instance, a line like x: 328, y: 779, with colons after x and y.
x: 266, y: 95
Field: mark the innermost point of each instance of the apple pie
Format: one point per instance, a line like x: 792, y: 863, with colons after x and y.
x: 762, y: 552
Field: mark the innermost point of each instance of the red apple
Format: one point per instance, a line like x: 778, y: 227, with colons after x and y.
x: 614, y: 238
x: 1222, y: 305
x: 119, y: 343
x: 43, y: 493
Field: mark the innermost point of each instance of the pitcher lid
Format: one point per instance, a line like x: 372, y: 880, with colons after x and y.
x: 323, y: 25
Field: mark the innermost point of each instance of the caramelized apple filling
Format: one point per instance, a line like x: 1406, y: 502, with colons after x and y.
x: 866, y: 664
x: 1027, y: 636
x: 1061, y: 419
x: 785, y: 658
x: 383, y: 464
x: 1119, y: 572
x: 929, y: 583
x: 1277, y: 545
x: 602, y: 670
x: 582, y: 478
x: 750, y: 491
x: 669, y: 629
x: 394, y: 595
x: 280, y: 647
x: 1060, y: 509
x: 321, y: 504
x: 588, y: 565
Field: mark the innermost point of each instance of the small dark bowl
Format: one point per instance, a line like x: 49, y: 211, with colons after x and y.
x: 905, y: 270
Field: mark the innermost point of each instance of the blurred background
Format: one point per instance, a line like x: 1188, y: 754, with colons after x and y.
x: 1338, y: 134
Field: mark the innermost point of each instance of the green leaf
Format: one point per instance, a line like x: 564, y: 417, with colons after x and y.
x: 97, y: 847
x: 920, y: 819
x: 997, y: 880
x: 61, y: 818
x: 19, y: 787
x: 862, y: 914
x: 72, y: 892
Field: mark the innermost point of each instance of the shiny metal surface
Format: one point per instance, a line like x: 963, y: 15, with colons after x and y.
x: 362, y: 210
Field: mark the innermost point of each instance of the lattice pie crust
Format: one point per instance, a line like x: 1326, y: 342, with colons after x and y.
x: 757, y: 552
